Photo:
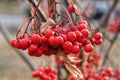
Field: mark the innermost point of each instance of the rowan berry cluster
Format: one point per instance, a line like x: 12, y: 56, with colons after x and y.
x: 67, y: 40
x: 106, y: 74
x: 46, y: 73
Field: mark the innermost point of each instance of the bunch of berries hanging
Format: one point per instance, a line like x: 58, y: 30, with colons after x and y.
x: 54, y: 36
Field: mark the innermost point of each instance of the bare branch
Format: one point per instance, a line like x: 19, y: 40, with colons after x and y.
x: 40, y: 11
x: 106, y: 17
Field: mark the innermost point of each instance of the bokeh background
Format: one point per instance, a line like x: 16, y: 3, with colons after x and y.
x: 13, y: 12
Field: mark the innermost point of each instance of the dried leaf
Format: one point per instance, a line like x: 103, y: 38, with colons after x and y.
x: 73, y: 70
x: 33, y: 23
x: 73, y: 59
x: 32, y: 11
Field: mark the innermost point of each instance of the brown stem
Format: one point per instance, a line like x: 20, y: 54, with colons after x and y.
x: 111, y: 45
x: 70, y: 20
x: 51, y: 4
x: 40, y: 12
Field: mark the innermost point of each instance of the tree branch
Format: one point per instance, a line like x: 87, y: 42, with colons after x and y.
x: 111, y: 45
x: 40, y: 11
x: 106, y: 17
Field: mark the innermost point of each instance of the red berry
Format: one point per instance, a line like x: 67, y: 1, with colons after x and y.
x: 109, y: 71
x: 35, y: 38
x: 76, y: 43
x: 84, y: 22
x: 25, y: 43
x: 88, y: 48
x: 97, y: 42
x: 12, y: 42
x: 59, y: 40
x: 39, y: 52
x: 43, y: 40
x: 17, y: 44
x: 75, y: 49
x: 71, y: 36
x: 67, y: 45
x: 81, y: 27
x: 49, y: 33
x: 32, y: 49
x: 98, y: 36
x: 85, y: 32
x: 78, y: 34
x: 67, y: 51
x: 52, y: 42
x: 64, y: 37
x: 71, y: 9
x: 35, y: 74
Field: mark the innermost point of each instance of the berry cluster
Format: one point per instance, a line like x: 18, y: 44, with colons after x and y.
x: 114, y: 25
x: 36, y: 45
x: 46, y: 73
x: 65, y: 39
x: 106, y: 74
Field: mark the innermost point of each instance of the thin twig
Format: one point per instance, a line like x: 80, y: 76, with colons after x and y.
x: 110, y: 47
x: 40, y: 11
x: 106, y: 17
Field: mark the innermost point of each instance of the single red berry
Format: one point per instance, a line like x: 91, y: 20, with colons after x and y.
x: 78, y: 34
x: 71, y: 9
x: 38, y: 53
x: 82, y: 40
x: 64, y: 37
x: 97, y: 42
x: 12, y: 42
x: 43, y: 40
x: 84, y: 22
x: 35, y: 74
x: 32, y: 49
x: 65, y: 51
x: 17, y: 44
x: 35, y: 38
x: 25, y: 43
x: 98, y: 36
x: 67, y: 45
x: 76, y: 43
x: 59, y: 40
x: 85, y: 32
x: 52, y: 42
x: 88, y: 48
x: 109, y: 71
x: 75, y: 49
x: 71, y: 36
x: 81, y: 27
x: 49, y: 33
x: 103, y: 73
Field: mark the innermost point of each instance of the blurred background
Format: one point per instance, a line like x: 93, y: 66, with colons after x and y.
x: 13, y: 12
